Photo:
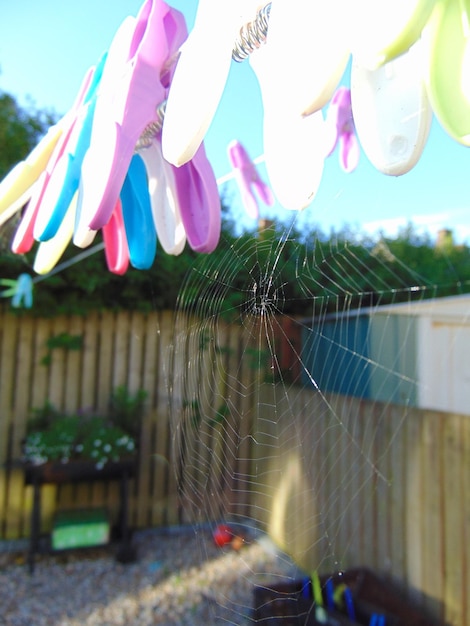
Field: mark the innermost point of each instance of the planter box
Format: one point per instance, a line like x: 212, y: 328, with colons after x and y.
x: 291, y: 603
x: 78, y: 470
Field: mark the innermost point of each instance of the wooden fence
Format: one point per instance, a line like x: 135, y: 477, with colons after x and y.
x: 336, y: 481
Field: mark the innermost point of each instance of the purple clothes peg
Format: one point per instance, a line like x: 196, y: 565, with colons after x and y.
x: 340, y: 129
x: 199, y: 202
x: 126, y: 105
x: 247, y: 177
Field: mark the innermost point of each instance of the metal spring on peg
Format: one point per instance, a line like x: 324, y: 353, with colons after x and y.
x: 153, y: 129
x: 252, y: 35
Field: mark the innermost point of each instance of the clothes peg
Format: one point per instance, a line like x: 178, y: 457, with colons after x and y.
x: 126, y: 104
x: 340, y: 125
x: 49, y: 252
x: 447, y: 44
x: 185, y: 200
x: 389, y: 30
x: 164, y: 199
x: 115, y: 243
x: 20, y: 290
x: 294, y: 145
x: 391, y: 111
x: 137, y: 215
x: 64, y: 179
x: 201, y: 73
x: 17, y: 187
x: 199, y: 202
x: 24, y: 236
x: 309, y: 46
x: 247, y: 177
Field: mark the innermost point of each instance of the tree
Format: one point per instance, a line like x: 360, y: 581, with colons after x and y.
x: 20, y: 131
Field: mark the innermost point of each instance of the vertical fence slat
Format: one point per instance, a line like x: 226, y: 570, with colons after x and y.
x: 397, y: 494
x: 164, y: 498
x: 454, y: 591
x: 57, y: 366
x: 148, y: 383
x: 40, y: 383
x: 22, y: 398
x: 432, y: 529
x: 465, y: 511
x: 412, y: 503
x: 7, y: 377
x: 73, y: 367
x: 103, y: 362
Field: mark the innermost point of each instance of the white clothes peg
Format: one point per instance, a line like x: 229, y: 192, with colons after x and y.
x: 309, y: 47
x: 391, y: 112
x: 294, y: 145
x: 108, y: 96
x: 164, y: 200
x: 201, y: 74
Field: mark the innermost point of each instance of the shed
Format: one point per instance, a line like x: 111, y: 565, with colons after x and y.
x: 413, y: 353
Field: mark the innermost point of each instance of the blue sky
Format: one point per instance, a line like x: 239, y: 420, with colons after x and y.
x: 46, y: 48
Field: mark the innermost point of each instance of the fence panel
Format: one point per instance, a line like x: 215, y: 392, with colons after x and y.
x: 337, y: 481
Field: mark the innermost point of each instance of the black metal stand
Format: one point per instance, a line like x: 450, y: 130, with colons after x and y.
x: 81, y: 471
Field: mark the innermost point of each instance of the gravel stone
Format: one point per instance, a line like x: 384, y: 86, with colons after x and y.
x: 180, y: 578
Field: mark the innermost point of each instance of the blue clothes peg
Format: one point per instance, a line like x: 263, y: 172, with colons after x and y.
x: 137, y: 215
x: 348, y: 599
x: 65, y: 177
x: 329, y: 592
x: 20, y: 291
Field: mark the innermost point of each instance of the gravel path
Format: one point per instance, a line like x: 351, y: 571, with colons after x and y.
x: 180, y: 578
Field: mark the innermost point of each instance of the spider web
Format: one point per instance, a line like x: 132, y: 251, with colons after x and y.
x: 278, y: 346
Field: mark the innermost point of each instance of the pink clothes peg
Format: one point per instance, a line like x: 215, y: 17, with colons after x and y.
x: 65, y: 177
x: 17, y: 187
x: 340, y: 125
x: 129, y: 95
x: 24, y: 237
x: 115, y: 243
x: 247, y: 177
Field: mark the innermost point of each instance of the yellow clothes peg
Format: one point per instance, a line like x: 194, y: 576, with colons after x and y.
x: 49, y: 252
x: 383, y: 30
x: 16, y: 188
x: 447, y: 40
